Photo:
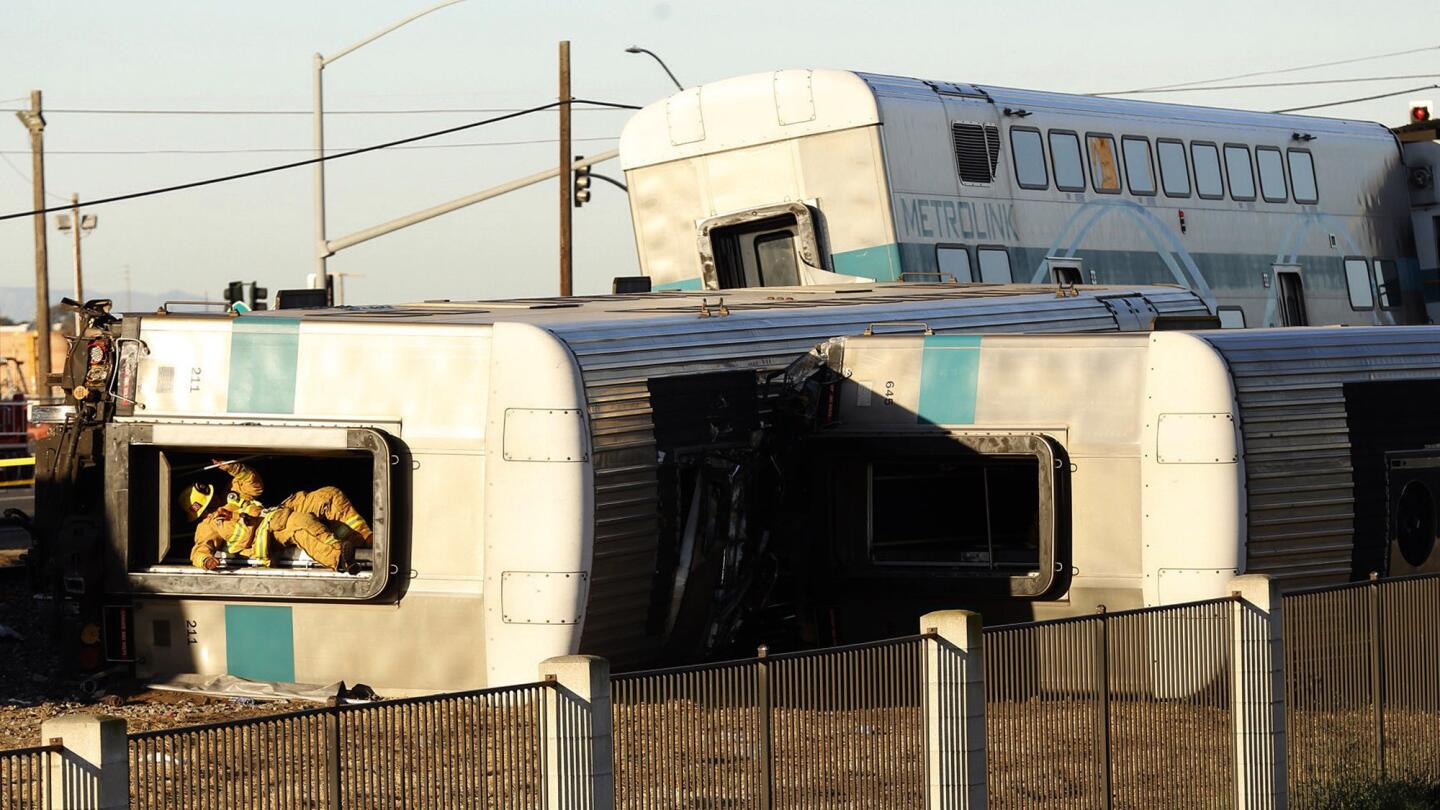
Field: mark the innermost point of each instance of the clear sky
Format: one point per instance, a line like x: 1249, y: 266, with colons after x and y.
x: 256, y: 54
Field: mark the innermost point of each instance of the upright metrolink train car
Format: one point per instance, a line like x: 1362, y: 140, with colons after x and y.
x: 819, y: 176
x: 1037, y: 476
x: 542, y: 476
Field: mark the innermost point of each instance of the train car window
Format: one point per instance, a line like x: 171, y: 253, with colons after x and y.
x: 1357, y: 281
x: 1174, y: 175
x: 1302, y: 175
x: 1231, y: 317
x: 1387, y: 283
x: 954, y: 261
x: 977, y: 152
x: 1029, y: 153
x: 1239, y: 172
x: 1206, y: 158
x: 1272, y: 173
x: 775, y: 260
x: 1104, y: 166
x: 1065, y: 159
x: 994, y: 265
x: 1139, y: 168
x: 991, y: 519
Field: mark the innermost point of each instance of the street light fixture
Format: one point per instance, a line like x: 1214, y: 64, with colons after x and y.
x: 322, y: 247
x: 638, y: 49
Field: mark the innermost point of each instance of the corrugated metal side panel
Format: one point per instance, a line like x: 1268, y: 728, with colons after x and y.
x: 1299, y: 478
x: 617, y: 360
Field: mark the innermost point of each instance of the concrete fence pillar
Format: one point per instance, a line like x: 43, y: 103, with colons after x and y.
x: 1258, y: 694
x: 578, y: 767
x: 93, y: 770
x: 954, y: 711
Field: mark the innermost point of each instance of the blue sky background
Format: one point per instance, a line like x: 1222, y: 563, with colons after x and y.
x: 256, y: 54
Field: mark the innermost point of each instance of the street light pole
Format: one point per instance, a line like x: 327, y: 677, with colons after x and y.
x: 322, y: 245
x: 663, y: 66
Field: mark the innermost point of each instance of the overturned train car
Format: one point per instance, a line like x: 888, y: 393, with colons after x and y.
x: 542, y: 476
x: 1036, y: 476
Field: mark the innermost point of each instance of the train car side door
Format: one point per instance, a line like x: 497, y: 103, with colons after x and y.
x: 1289, y: 296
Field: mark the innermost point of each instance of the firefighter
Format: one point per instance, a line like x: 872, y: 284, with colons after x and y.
x: 322, y: 522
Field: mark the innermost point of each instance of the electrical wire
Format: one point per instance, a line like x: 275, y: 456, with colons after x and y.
x: 1357, y: 100
x: 282, y: 149
x: 1275, y: 84
x: 1269, y: 72
x: 311, y: 161
x: 26, y: 177
x: 426, y: 111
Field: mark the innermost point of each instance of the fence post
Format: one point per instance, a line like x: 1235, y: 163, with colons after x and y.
x: 578, y: 762
x: 954, y: 710
x: 1258, y: 694
x: 93, y: 772
x: 764, y: 714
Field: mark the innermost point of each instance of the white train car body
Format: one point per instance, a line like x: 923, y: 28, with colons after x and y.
x: 509, y: 456
x: 1124, y: 470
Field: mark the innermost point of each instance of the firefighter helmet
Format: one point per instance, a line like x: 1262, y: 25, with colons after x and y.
x: 195, y: 498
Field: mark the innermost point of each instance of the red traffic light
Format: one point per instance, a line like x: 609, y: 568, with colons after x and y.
x: 1419, y: 113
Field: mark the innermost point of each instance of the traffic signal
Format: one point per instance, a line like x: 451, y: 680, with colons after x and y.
x: 258, y: 295
x: 581, y: 184
x: 235, y: 292
x: 1420, y: 112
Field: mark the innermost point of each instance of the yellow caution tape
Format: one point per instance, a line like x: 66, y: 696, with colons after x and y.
x: 17, y: 462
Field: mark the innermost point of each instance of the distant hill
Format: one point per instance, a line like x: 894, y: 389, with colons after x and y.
x: 18, y: 303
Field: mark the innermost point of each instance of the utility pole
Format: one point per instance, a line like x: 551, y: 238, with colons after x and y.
x: 77, y: 225
x: 566, y: 260
x: 34, y: 120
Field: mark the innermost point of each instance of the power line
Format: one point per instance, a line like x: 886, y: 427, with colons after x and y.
x: 425, y: 111
x: 1275, y: 84
x: 26, y: 177
x: 1270, y: 72
x: 1356, y: 100
x: 311, y: 161
x: 282, y: 149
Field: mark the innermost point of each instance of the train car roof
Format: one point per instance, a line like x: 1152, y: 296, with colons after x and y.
x: 765, y: 107
x: 767, y: 302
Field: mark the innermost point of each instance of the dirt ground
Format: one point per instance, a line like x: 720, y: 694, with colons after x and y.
x: 32, y: 688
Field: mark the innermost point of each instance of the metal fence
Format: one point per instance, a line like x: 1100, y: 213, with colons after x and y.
x: 1362, y: 694
x: 14, y: 445
x: 25, y: 777
x: 480, y: 749
x: 1130, y: 709
x: 843, y: 727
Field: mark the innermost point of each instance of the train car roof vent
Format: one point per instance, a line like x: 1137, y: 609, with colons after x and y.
x: 961, y: 90
x: 977, y: 151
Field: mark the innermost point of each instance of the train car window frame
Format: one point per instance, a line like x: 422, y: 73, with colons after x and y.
x: 1015, y: 159
x: 1230, y: 176
x: 980, y: 253
x: 963, y: 250
x: 1386, y: 274
x: 1090, y: 139
x: 1358, y: 283
x: 1221, y: 312
x: 1184, y: 167
x: 1310, y: 167
x: 1149, y: 165
x: 1260, y: 170
x: 1219, y: 169
x: 1074, y: 138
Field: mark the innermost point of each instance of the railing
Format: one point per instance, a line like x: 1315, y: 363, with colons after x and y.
x: 25, y: 778
x: 1129, y: 709
x: 843, y: 727
x: 16, y: 467
x: 1362, y: 693
x: 468, y: 749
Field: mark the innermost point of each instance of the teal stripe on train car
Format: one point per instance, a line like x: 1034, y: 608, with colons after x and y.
x: 682, y: 284
x: 263, y: 354
x: 949, y: 379
x: 881, y: 262
x: 260, y: 643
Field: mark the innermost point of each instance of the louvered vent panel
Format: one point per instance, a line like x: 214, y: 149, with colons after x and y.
x: 977, y: 151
